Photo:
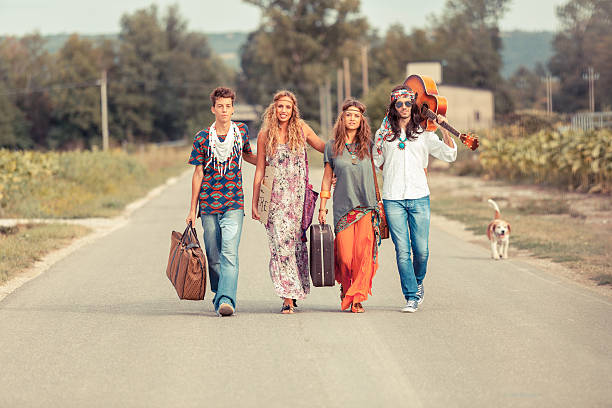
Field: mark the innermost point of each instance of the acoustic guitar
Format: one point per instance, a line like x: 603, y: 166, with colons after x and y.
x: 431, y: 104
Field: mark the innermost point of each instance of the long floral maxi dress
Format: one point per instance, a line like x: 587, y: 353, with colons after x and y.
x: 288, y: 254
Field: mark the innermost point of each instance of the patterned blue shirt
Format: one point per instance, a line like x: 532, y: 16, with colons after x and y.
x: 219, y: 192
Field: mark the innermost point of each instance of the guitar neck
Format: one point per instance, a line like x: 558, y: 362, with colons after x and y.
x: 451, y: 129
x: 432, y: 116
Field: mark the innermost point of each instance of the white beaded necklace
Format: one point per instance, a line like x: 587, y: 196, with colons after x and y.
x: 220, y: 152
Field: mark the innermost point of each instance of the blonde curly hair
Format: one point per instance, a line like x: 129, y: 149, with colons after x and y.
x: 271, y: 125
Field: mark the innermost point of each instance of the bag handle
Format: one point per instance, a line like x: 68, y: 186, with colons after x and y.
x: 189, y: 235
x: 186, y: 233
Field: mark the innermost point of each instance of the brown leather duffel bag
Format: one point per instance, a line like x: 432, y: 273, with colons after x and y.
x: 187, y: 265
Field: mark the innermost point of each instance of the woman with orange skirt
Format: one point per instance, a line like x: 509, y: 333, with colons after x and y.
x: 356, y: 217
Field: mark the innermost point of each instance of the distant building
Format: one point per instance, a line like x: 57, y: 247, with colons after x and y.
x: 432, y: 69
x: 468, y: 108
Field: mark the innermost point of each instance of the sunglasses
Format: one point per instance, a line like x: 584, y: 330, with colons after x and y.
x: 399, y: 104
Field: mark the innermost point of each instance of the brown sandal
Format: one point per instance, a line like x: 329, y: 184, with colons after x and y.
x: 357, y: 308
x: 287, y: 309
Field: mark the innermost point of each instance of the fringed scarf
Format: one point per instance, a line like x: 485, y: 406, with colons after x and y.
x: 384, y: 133
x: 220, y: 152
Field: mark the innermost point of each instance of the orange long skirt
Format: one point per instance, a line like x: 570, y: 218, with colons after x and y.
x: 354, y: 260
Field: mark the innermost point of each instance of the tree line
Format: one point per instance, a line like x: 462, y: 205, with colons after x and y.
x: 584, y: 40
x: 299, y: 43
x: 159, y: 77
x: 160, y: 73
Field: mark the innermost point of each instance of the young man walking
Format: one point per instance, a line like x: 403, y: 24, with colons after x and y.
x: 402, y: 148
x: 216, y: 186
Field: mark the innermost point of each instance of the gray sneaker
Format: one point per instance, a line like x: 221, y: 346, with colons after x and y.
x: 420, y: 294
x: 225, y: 309
x: 411, y: 306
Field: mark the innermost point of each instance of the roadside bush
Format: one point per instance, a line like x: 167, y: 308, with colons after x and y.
x: 575, y: 160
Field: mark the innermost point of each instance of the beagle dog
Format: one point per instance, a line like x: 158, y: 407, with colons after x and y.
x: 498, y: 233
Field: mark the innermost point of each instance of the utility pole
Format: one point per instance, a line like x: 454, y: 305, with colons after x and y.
x: 340, y: 95
x: 591, y: 76
x: 322, y: 114
x: 328, y: 105
x: 347, y: 77
x: 364, y: 69
x: 548, y: 95
x: 104, y: 108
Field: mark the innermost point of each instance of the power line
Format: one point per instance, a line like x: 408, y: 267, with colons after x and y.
x: 51, y: 88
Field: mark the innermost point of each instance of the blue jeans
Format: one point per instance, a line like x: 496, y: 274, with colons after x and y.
x: 221, y: 239
x: 409, y: 227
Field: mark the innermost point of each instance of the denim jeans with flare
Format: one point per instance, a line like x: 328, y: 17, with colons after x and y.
x: 221, y: 239
x: 409, y: 227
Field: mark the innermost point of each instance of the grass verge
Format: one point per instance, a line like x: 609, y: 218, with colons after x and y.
x: 82, y: 184
x: 546, y: 231
x: 22, y: 245
x: 72, y: 185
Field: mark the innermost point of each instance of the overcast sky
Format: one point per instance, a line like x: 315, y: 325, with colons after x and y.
x: 18, y: 17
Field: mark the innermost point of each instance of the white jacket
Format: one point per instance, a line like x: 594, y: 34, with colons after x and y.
x: 404, y: 176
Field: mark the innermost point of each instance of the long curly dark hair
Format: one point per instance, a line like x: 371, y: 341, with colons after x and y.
x: 413, y: 129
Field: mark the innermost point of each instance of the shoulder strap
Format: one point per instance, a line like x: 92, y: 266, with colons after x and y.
x: 305, y: 157
x: 375, y: 179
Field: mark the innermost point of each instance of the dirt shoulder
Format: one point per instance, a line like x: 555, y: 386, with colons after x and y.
x: 565, y: 234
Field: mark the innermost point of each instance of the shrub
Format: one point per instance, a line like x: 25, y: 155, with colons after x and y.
x: 575, y: 160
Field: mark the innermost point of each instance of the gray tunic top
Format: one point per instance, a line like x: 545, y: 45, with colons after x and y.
x: 355, y: 184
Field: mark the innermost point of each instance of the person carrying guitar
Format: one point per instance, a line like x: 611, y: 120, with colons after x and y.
x: 402, y: 150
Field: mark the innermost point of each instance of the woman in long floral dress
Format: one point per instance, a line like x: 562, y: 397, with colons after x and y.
x: 281, y: 143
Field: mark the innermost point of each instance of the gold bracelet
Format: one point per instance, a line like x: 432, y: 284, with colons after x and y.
x: 323, y: 209
x: 325, y: 194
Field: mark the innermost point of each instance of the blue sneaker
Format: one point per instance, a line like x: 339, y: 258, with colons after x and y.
x: 420, y: 294
x: 411, y: 307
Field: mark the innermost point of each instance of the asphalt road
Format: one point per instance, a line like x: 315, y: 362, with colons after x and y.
x: 103, y: 328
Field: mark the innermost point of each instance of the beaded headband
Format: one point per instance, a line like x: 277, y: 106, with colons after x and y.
x: 402, y: 93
